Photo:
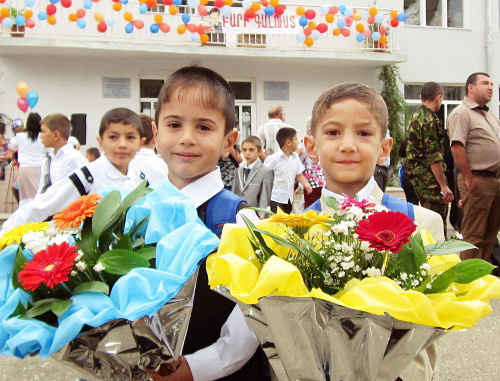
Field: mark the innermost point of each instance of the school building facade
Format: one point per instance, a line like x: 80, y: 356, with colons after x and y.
x: 85, y: 63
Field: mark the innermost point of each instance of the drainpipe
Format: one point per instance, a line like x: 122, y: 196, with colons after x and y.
x: 489, y: 58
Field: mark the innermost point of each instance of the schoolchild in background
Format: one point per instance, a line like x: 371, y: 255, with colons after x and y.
x: 92, y: 154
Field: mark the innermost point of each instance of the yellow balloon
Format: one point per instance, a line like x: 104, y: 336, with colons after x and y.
x: 394, y: 14
x: 22, y: 89
x: 356, y: 16
x: 117, y: 6
x: 373, y: 11
x: 336, y: 32
x: 158, y: 18
x: 300, y: 11
x: 226, y: 2
x: 99, y: 17
x: 51, y: 20
x: 383, y: 40
x: 274, y: 3
x: 72, y: 17
x: 128, y: 16
x: 312, y: 25
x: 204, y: 38
x: 329, y: 17
x: 360, y: 28
x: 173, y: 9
x: 28, y: 13
x: 4, y: 12
x: 309, y: 41
x: 181, y: 29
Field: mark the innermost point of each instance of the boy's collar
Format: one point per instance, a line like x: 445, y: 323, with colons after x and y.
x: 363, y: 194
x: 204, y: 188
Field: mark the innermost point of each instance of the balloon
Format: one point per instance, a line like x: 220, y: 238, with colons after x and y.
x: 269, y: 10
x: 341, y: 23
x: 379, y: 18
x: 373, y: 11
x: 99, y: 17
x: 80, y: 13
x: 110, y: 22
x: 172, y: 9
x: 22, y: 105
x: 246, y: 4
x: 87, y: 4
x: 367, y: 33
x: 382, y: 30
x: 310, y: 14
x: 72, y: 17
x: 360, y: 37
x: 322, y: 28
x: 193, y: 3
x: 66, y: 3
x: 255, y: 7
x: 394, y: 23
x: 185, y: 18
x: 30, y: 23
x: 342, y: 8
x: 383, y: 40
x: 54, y: 1
x: 200, y: 29
x: 336, y: 31
x: 129, y: 28
x: 164, y: 27
x: 151, y: 3
x: 360, y: 28
x: 345, y: 32
x: 22, y: 89
x: 402, y: 17
x: 309, y: 41
x: 117, y: 6
x: 312, y: 25
x: 394, y: 14
x: 28, y: 13
x: 315, y: 34
x: 250, y: 14
x: 51, y: 20
x: 204, y: 38
x: 307, y: 31
x: 124, y: 2
x: 218, y: 3
x: 20, y: 20
x: 348, y: 21
x: 329, y: 18
x: 300, y: 37
x: 128, y: 16
x: 181, y: 29
x: 154, y: 28
x: 202, y: 10
x: 226, y: 10
x: 81, y: 23
x: 274, y: 3
x: 191, y: 27
x: 177, y: 2
x: 51, y: 9
x: 42, y: 16
x: 29, y: 3
x: 300, y: 11
x: 333, y: 10
x: 370, y: 20
x: 139, y: 24
x: 195, y: 37
x: 323, y: 10
x: 376, y: 36
x: 348, y: 11
x: 279, y: 10
x: 7, y: 22
x: 357, y: 16
x: 158, y: 18
x: 143, y: 8
x: 303, y: 21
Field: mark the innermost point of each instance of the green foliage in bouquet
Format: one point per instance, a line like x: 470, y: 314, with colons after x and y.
x: 361, y: 240
x: 85, y: 250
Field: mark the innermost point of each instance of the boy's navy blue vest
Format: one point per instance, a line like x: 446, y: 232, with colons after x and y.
x: 389, y: 201
x: 211, y: 310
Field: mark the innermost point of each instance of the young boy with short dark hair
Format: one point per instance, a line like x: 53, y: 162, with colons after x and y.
x: 349, y: 123
x: 253, y: 181
x: 64, y: 158
x: 120, y: 139
x: 287, y: 168
x: 193, y: 128
x: 92, y: 154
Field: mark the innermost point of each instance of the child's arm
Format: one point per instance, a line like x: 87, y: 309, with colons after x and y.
x: 303, y: 181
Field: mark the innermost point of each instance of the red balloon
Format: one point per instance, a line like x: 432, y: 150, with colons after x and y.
x: 66, y: 3
x: 382, y: 30
x: 164, y: 27
x: 168, y: 2
x: 51, y: 9
x: 370, y: 20
x: 102, y: 27
x: 200, y: 29
x: 307, y: 31
x: 322, y: 28
x: 219, y: 3
x: 310, y: 14
x: 333, y: 10
x: 22, y: 104
x: 202, y: 10
x: 250, y: 13
x: 80, y: 13
x: 394, y: 23
x: 139, y: 24
x: 345, y: 32
x: 348, y: 21
x: 279, y: 10
x: 30, y: 23
x: 191, y: 27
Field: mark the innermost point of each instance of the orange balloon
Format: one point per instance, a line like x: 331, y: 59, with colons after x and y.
x: 158, y: 18
x: 255, y: 6
x: 394, y: 14
x: 22, y: 89
x: 4, y: 12
x: 28, y: 13
x: 200, y: 29
x: 309, y: 41
x: 274, y: 3
x: 356, y: 16
x: 360, y: 28
x: 151, y: 3
x: 329, y: 17
x: 72, y: 17
x: 226, y: 2
x: 204, y: 2
x: 373, y: 11
x: 312, y: 25
x: 336, y: 32
x: 383, y: 40
x: 300, y: 11
x: 52, y: 20
x: 99, y: 17
x: 117, y: 6
x: 128, y: 16
x: 181, y: 29
x: 172, y: 9
x: 204, y: 38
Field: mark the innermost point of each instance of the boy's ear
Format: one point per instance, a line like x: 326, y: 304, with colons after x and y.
x: 99, y: 141
x: 155, y: 132
x: 229, y: 141
x: 386, y: 150
x: 310, y: 145
x: 143, y: 140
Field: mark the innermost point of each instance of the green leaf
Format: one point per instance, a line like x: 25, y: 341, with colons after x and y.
x: 60, y: 306
x: 106, y: 213
x: 94, y: 286
x: 267, y: 211
x: 18, y: 262
x: 120, y: 262
x: 87, y: 243
x: 332, y: 202
x: 147, y: 252
x: 20, y: 310
x: 133, y: 231
x: 39, y: 308
x: 139, y: 192
x: 258, y: 240
x: 448, y: 247
x: 138, y: 242
x: 124, y: 242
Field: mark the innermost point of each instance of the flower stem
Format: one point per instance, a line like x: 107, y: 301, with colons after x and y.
x: 66, y: 288
x: 386, y: 259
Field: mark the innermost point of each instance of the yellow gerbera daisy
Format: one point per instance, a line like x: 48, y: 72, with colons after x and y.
x: 301, y: 223
x: 17, y: 233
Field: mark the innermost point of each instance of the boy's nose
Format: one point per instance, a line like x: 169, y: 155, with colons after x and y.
x: 347, y: 143
x: 187, y: 137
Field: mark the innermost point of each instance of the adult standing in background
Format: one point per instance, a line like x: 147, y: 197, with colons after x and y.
x: 424, y: 153
x: 382, y: 171
x: 267, y: 132
x: 475, y: 144
x: 31, y: 154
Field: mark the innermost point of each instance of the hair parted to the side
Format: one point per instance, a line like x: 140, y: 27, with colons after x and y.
x: 471, y: 80
x: 93, y: 151
x: 253, y: 140
x: 351, y: 90
x: 147, y: 128
x: 33, y: 125
x: 58, y: 122
x: 430, y: 91
x: 120, y: 115
x: 284, y: 134
x: 204, y: 87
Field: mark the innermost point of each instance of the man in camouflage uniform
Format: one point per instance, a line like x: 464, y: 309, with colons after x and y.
x: 424, y: 153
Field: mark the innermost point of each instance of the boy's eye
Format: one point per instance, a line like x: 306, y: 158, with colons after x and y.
x: 365, y: 133
x: 204, y: 127
x: 174, y: 125
x: 132, y: 137
x: 333, y: 132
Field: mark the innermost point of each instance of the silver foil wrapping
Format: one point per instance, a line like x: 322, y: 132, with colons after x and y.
x: 123, y: 350
x: 312, y: 339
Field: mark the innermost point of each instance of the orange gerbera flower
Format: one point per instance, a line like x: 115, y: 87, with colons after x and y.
x: 76, y: 212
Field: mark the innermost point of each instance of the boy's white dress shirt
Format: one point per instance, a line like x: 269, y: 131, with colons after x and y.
x: 286, y: 168
x: 237, y: 342
x: 61, y: 194
x: 149, y: 163
x: 63, y: 163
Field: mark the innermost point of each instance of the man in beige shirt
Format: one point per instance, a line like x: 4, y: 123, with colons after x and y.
x: 475, y: 144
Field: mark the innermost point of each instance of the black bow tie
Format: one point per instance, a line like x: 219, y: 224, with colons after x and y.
x: 483, y: 108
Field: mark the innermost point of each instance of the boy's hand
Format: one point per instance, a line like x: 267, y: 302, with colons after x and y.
x: 181, y: 372
x: 308, y: 188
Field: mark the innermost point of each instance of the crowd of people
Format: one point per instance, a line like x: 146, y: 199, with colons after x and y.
x: 195, y: 139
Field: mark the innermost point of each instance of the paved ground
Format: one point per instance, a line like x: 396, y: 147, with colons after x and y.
x: 467, y: 355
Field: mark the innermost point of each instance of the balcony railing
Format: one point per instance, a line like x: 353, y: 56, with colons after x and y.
x: 135, y: 23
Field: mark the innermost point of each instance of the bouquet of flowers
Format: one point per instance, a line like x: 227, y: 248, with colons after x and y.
x: 106, y: 286
x: 367, y: 295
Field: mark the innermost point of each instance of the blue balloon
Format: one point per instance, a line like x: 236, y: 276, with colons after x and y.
x: 303, y: 21
x: 193, y: 3
x: 29, y: 3
x: 342, y: 9
x: 246, y: 4
x: 301, y: 37
x: 185, y: 18
x: 226, y: 10
x: 341, y: 23
x: 124, y: 2
x: 360, y: 37
x: 87, y: 4
x: 110, y: 22
x: 32, y: 98
x: 20, y: 20
x: 154, y: 28
x: 315, y: 34
x: 42, y: 16
x: 379, y: 18
x: 177, y: 2
x: 348, y: 11
x: 195, y: 37
x: 54, y: 1
x: 143, y: 8
x: 129, y: 28
x: 81, y: 23
x: 269, y: 10
x: 402, y: 17
x: 376, y: 36
x: 323, y: 10
x: 7, y: 22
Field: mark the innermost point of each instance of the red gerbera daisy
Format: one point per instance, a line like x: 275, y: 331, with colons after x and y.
x: 387, y: 231
x: 50, y: 266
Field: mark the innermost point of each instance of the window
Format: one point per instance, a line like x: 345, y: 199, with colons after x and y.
x: 149, y: 90
x: 441, y: 13
x: 242, y: 90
